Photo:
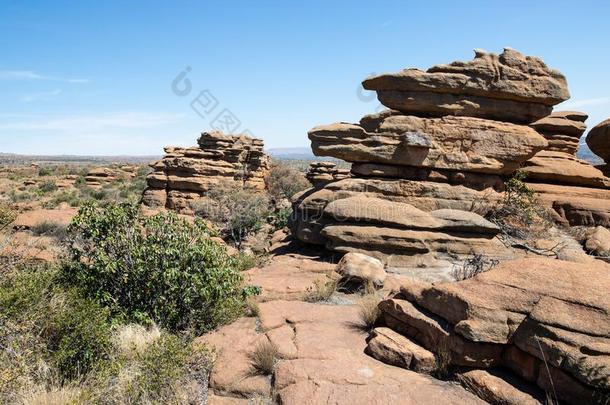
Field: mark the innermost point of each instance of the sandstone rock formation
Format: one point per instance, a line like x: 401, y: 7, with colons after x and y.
x: 453, y: 135
x: 561, y: 178
x: 99, y: 176
x: 451, y: 138
x: 507, y: 87
x: 321, y: 173
x: 185, y: 174
x: 513, y: 318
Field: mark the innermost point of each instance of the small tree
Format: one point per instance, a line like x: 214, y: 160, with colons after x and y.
x: 284, y: 180
x: 237, y: 210
x: 159, y: 268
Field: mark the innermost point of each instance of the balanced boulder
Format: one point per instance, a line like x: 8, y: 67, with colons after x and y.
x: 507, y: 87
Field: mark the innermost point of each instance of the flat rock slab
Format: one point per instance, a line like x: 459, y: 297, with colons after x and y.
x: 29, y: 219
x: 289, y: 277
x: 330, y: 365
x: 497, y: 388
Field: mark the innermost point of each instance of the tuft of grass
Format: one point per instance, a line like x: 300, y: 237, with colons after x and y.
x: 368, y: 311
x: 321, y: 290
x: 133, y: 339
x: 49, y: 228
x: 264, y: 357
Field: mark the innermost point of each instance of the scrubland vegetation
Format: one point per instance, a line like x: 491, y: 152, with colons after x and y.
x: 113, y: 320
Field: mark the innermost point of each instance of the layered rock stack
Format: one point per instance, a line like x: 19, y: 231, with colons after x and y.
x: 321, y: 173
x: 98, y: 176
x: 185, y: 174
x: 422, y: 170
x: 510, y: 321
x: 575, y: 191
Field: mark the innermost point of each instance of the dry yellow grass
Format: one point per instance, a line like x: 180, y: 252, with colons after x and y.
x: 133, y: 339
x: 264, y: 357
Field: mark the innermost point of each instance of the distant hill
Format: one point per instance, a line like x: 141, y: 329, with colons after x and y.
x: 13, y: 158
x: 301, y: 153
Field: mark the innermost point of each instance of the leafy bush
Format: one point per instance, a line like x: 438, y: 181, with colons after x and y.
x: 72, y: 198
x: 519, y: 215
x: 284, y: 180
x: 238, y: 211
x: 158, y: 268
x: 519, y: 197
x: 7, y: 215
x: 47, y: 187
x: 44, y: 326
x: 45, y: 171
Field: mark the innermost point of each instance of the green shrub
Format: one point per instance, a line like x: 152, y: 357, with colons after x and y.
x: 43, y: 322
x: 47, y: 187
x: 158, y: 268
x: 284, y: 180
x: 71, y: 198
x: 7, y: 215
x: 45, y: 171
x: 519, y: 215
x: 519, y: 197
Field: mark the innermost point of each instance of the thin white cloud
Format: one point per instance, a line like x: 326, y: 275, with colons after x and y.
x: 586, y: 102
x: 92, y: 123
x: 43, y: 96
x: 31, y: 75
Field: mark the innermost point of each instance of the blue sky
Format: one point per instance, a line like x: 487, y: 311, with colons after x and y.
x: 91, y: 77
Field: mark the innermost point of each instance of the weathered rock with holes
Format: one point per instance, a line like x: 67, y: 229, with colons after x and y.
x: 185, y: 174
x: 509, y: 87
x: 536, y: 313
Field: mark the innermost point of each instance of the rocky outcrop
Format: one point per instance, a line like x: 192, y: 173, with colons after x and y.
x: 453, y: 135
x: 512, y: 317
x: 507, y: 87
x: 99, y: 176
x: 321, y: 173
x: 450, y: 143
x: 185, y: 174
x: 558, y: 169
